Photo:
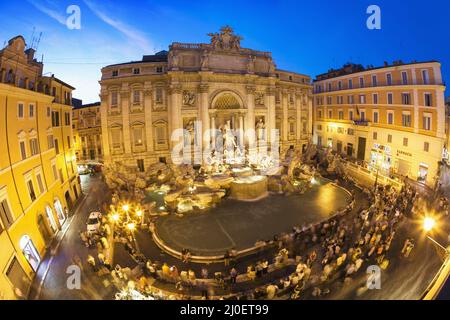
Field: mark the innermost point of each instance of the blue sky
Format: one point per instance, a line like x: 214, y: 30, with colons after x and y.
x: 304, y: 36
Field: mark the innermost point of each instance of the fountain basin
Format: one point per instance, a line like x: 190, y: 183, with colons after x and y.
x: 249, y: 188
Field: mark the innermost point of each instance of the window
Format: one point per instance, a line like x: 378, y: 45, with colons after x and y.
x: 34, y: 147
x: 61, y: 176
x: 319, y: 127
x: 374, y: 81
x: 375, y: 117
x: 137, y: 134
x: 362, y: 99
x: 389, y: 79
x: 67, y: 118
x: 159, y: 69
x: 136, y: 96
x: 425, y: 77
x: 390, y: 117
x: 55, y: 172
x: 20, y: 111
x: 291, y: 127
x: 361, y: 82
x: 404, y: 77
x: 341, y: 115
x: 55, y: 118
x: 426, y: 146
x: 329, y: 86
x: 426, y: 121
x: 23, y: 150
x: 31, y: 190
x: 116, y: 138
x: 68, y: 142
x: 56, y: 146
x: 114, y: 99
x: 350, y: 115
x: 31, y: 110
x: 50, y: 141
x: 340, y: 85
x: 115, y: 73
x: 390, y: 98
x: 389, y: 139
x: 329, y: 100
x: 330, y: 114
x: 136, y: 71
x: 140, y: 164
x: 375, y: 98
x: 159, y: 95
x: 350, y: 83
x: 406, y: 119
x: 405, y: 142
x: 375, y: 136
x: 49, y: 112
x: 428, y: 98
x: 340, y: 100
x: 40, y: 183
x: 362, y: 115
x: 5, y: 213
x: 406, y: 98
x: 161, y: 134
x: 319, y: 114
x: 350, y: 100
x: 350, y: 132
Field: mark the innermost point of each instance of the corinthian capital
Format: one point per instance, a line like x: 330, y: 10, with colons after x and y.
x: 250, y: 89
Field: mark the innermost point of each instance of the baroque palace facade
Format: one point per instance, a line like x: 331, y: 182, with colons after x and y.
x: 219, y: 85
x: 38, y: 174
x: 391, y: 117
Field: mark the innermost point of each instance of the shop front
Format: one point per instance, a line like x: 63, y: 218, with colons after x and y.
x: 381, y: 159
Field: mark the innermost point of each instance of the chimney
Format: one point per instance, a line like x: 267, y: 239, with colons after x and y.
x: 30, y: 54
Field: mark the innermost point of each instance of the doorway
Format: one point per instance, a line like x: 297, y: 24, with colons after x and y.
x: 68, y: 199
x: 43, y: 229
x: 30, y: 252
x: 361, y: 148
x: 59, y: 212
x: 349, y: 149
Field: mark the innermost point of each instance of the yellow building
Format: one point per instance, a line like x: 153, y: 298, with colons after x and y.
x: 391, y: 117
x: 87, y: 130
x: 38, y: 177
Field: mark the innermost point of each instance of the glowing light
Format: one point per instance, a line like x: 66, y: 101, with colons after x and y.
x: 131, y: 226
x: 139, y: 213
x: 428, y: 224
x: 313, y: 180
x: 162, y: 208
x: 115, y: 217
x: 125, y: 207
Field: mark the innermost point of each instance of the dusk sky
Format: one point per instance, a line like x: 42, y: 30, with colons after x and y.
x: 308, y: 37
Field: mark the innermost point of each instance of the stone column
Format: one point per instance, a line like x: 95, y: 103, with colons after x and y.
x: 440, y: 107
x: 175, y: 111
x: 104, y: 124
x: 125, y: 103
x: 270, y: 103
x: 298, y: 113
x: 148, y: 108
x: 213, y: 128
x: 250, y: 116
x: 309, y: 99
x: 204, y: 115
x: 284, y: 105
x: 241, y: 129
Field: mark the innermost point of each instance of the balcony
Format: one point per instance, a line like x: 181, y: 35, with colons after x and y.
x: 364, y: 123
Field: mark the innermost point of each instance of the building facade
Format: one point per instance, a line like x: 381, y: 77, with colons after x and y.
x: 392, y: 117
x: 87, y: 129
x: 38, y: 176
x: 218, y: 85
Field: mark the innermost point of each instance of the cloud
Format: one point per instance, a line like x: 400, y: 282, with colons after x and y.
x: 48, y: 11
x: 133, y: 34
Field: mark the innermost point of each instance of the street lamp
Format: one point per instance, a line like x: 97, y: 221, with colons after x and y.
x: 428, y: 225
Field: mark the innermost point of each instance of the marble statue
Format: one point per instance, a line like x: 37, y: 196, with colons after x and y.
x: 260, y: 129
x: 188, y: 98
x: 204, y: 60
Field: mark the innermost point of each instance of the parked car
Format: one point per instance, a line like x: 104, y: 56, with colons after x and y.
x: 94, y: 222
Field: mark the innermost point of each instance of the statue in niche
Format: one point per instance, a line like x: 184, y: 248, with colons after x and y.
x: 174, y: 60
x: 190, y: 128
x: 251, y: 64
x: 228, y: 137
x: 204, y: 61
x: 188, y: 98
x: 260, y: 129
